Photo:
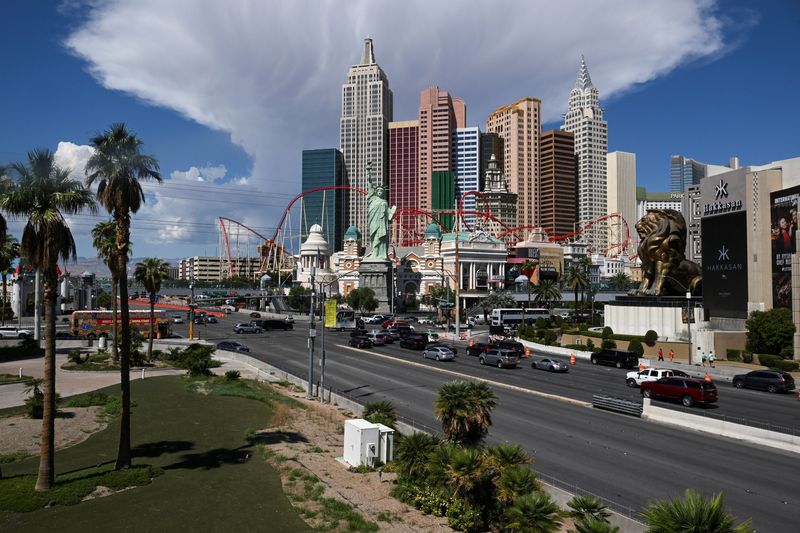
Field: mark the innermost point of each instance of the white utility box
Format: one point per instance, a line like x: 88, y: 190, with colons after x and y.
x: 366, y: 443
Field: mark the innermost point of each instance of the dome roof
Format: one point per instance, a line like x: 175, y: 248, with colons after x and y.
x: 315, y: 243
x: 433, y: 231
x: 352, y: 233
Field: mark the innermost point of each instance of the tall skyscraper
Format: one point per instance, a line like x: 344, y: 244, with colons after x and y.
x: 558, y: 201
x: 404, y: 177
x: 684, y: 172
x: 491, y: 145
x: 363, y: 131
x: 621, y: 198
x: 323, y: 168
x: 443, y: 197
x: 584, y: 118
x: 466, y: 165
x: 519, y: 125
x: 496, y: 199
x: 439, y: 116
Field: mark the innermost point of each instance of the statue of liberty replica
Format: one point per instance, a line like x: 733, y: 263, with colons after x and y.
x: 375, y: 271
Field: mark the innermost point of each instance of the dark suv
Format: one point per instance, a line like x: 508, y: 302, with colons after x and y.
x: 618, y: 358
x: 688, y: 390
x: 767, y: 380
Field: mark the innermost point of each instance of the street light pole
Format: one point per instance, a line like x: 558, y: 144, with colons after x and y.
x: 689, y: 318
x: 312, y: 332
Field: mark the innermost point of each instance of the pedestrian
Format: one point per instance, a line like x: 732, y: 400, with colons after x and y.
x: 703, y: 357
x: 671, y: 356
x: 711, y: 358
x: 660, y: 354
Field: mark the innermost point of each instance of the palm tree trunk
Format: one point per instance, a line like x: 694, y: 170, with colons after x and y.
x: 152, y: 318
x: 46, y: 475
x: 114, y: 313
x: 123, y: 233
x: 5, y: 295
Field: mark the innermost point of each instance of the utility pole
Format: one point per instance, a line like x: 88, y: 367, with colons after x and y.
x: 312, y: 332
x: 191, y: 305
x: 322, y: 360
x: 458, y: 271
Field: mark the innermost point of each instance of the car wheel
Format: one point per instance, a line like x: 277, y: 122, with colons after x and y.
x: 481, y: 361
x: 619, y: 365
x: 739, y: 384
x: 499, y: 364
x: 631, y: 382
x: 533, y: 365
x: 687, y: 401
x: 594, y: 360
x: 437, y: 357
x: 647, y: 393
x: 552, y: 368
x: 772, y: 388
x: 21, y: 336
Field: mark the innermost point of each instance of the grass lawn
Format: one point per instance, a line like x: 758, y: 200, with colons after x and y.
x: 199, y: 442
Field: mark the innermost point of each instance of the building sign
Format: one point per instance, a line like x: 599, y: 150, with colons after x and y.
x: 727, y: 196
x: 783, y: 227
x: 725, y: 265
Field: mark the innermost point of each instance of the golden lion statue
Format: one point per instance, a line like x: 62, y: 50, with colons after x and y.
x: 662, y: 246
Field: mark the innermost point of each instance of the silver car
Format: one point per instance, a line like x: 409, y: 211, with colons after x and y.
x: 500, y: 358
x: 440, y: 353
x: 377, y: 338
x: 246, y: 328
x: 553, y: 365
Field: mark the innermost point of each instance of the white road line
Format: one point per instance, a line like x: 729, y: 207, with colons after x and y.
x: 467, y: 376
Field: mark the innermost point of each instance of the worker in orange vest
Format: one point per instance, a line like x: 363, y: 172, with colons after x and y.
x: 671, y: 356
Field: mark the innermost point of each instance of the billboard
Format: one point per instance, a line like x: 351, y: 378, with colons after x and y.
x: 725, y: 265
x: 783, y: 227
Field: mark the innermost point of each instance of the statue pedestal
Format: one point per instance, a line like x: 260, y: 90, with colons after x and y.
x: 377, y: 275
x: 634, y: 315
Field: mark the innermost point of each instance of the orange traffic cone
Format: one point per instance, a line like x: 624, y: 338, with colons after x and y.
x: 707, y: 378
x: 572, y: 358
x: 527, y: 352
x: 641, y: 367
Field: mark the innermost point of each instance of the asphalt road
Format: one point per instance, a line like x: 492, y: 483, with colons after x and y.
x: 626, y: 460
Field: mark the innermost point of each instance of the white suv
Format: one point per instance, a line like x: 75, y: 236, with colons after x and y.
x: 634, y: 379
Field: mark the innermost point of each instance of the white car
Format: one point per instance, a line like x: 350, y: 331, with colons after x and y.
x: 228, y: 309
x: 377, y: 338
x: 14, y: 333
x: 440, y: 353
x: 177, y: 319
x: 635, y: 379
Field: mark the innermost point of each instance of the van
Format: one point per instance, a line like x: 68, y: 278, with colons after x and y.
x: 618, y: 358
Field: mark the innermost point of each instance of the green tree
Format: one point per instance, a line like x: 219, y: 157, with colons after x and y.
x: 636, y: 347
x: 362, y: 300
x: 151, y: 272
x: 380, y: 412
x: 465, y: 411
x: 582, y: 507
x: 533, y: 513
x: 577, y: 279
x: 515, y: 482
x: 104, y: 240
x: 620, y: 281
x: 593, y: 525
x: 9, y: 252
x: 497, y: 300
x: 692, y: 514
x: 769, y: 332
x: 435, y: 295
x: 43, y: 195
x: 547, y: 292
x: 299, y: 298
x: 104, y: 301
x: 467, y: 475
x: 413, y: 454
x: 117, y: 167
x: 505, y: 457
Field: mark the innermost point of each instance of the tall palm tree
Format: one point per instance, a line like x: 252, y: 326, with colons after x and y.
x: 691, y: 514
x: 546, y: 292
x: 43, y: 195
x: 576, y: 279
x: 533, y: 513
x: 619, y: 281
x: 150, y: 272
x: 465, y: 410
x: 117, y: 167
x: 9, y: 252
x: 528, y: 266
x: 104, y: 240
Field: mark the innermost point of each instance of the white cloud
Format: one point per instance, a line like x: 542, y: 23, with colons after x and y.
x: 209, y: 174
x: 73, y: 157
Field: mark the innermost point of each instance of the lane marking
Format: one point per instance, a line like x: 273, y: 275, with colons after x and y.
x: 516, y: 388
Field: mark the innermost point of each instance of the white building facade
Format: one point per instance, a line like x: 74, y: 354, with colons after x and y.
x: 466, y: 164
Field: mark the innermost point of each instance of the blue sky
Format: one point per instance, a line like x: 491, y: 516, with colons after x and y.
x: 227, y: 97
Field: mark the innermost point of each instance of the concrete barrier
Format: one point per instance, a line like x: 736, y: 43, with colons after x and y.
x: 558, y: 351
x: 723, y: 428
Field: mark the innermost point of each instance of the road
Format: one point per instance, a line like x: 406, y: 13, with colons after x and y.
x: 626, y: 460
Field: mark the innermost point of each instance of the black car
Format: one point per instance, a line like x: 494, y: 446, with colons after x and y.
x: 414, y: 342
x: 358, y: 333
x: 255, y: 315
x: 767, y: 380
x: 451, y: 347
x: 477, y: 348
x: 618, y: 358
x: 360, y: 342
x: 211, y: 319
x: 232, y: 346
x: 274, y: 323
x: 401, y: 331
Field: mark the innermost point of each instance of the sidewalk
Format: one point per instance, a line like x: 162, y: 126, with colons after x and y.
x: 722, y: 371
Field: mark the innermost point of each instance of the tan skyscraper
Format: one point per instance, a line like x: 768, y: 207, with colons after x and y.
x: 621, y: 198
x: 520, y: 126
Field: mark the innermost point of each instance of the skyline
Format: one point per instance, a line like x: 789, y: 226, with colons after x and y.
x: 186, y: 122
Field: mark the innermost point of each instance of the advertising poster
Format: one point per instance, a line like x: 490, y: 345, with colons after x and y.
x: 783, y: 226
x: 725, y: 265
x: 330, y: 314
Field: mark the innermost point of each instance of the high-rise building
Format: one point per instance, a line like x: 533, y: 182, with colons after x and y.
x: 584, y: 118
x: 519, y: 125
x: 491, y: 145
x: 404, y: 177
x: 466, y: 166
x: 439, y: 116
x: 497, y: 200
x: 685, y: 172
x: 323, y: 168
x: 621, y: 198
x: 363, y: 130
x: 443, y: 196
x: 558, y: 201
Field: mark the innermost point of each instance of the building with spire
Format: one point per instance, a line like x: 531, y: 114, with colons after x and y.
x: 497, y: 200
x: 584, y: 118
x: 363, y: 130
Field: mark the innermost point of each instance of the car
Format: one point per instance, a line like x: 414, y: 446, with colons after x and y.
x: 401, y: 331
x: 177, y: 319
x: 440, y: 353
x: 377, y: 338
x: 768, y: 380
x: 64, y: 335
x: 618, y: 358
x: 553, y: 365
x: 254, y: 314
x: 500, y: 358
x: 414, y: 342
x: 388, y: 337
x: 635, y: 378
x: 689, y: 391
x: 14, y: 333
x: 410, y: 319
x: 275, y: 323
x: 199, y: 321
x: 211, y: 319
x: 394, y: 323
x: 233, y: 346
x: 426, y: 321
x: 451, y: 347
x: 515, y: 346
x: 478, y: 348
x: 360, y: 342
x: 680, y: 373
x: 246, y: 328
x: 289, y: 319
x: 228, y: 309
x: 358, y: 333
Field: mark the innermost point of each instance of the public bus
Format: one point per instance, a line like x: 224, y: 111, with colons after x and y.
x: 515, y: 316
x: 95, y: 324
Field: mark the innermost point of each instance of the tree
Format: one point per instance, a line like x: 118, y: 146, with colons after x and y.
x: 9, y: 252
x: 362, y: 300
x: 692, y: 514
x: 593, y: 525
x: 104, y: 301
x: 533, y: 513
x: 436, y: 294
x: 467, y: 474
x: 380, y: 412
x: 547, y: 292
x: 150, y: 272
x: 413, y: 454
x: 117, y: 167
x: 636, y: 347
x: 528, y: 266
x: 583, y: 507
x: 497, y: 300
x: 576, y: 279
x: 104, y: 240
x: 515, y: 482
x: 299, y: 298
x: 769, y: 332
x: 619, y: 281
x: 465, y: 410
x: 43, y: 195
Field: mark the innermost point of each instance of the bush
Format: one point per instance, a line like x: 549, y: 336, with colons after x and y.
x: 232, y: 375
x: 767, y: 359
x: 74, y: 356
x: 541, y: 323
x: 733, y: 355
x: 197, y: 359
x: 608, y: 333
x: 636, y: 347
x: 463, y: 517
x: 784, y: 365
x: 769, y: 331
x: 550, y: 336
x: 380, y: 412
x: 608, y: 344
x: 590, y: 345
x: 787, y: 352
x: 747, y: 357
x: 34, y: 405
x: 650, y: 338
x: 580, y: 347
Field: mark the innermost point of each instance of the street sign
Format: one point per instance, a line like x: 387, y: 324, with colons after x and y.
x: 312, y: 333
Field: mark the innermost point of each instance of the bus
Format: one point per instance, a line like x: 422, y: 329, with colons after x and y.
x: 513, y: 317
x: 95, y: 324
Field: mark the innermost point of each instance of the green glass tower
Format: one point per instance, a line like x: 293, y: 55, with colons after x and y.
x: 323, y: 168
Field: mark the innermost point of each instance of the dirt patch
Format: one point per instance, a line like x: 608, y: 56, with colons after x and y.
x: 19, y: 433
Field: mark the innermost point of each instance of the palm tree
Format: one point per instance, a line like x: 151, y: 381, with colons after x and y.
x: 507, y: 456
x: 533, y: 513
x: 588, y: 507
x: 547, y: 291
x: 593, y: 525
x: 466, y: 474
x: 380, y: 412
x: 9, y: 252
x: 576, y: 279
x: 43, y: 195
x: 465, y: 410
x: 118, y: 166
x: 150, y: 272
x: 515, y: 482
x: 691, y: 514
x: 619, y: 281
x: 528, y: 266
x: 413, y: 453
x: 104, y: 240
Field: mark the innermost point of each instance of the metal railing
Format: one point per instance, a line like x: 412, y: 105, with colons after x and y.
x: 618, y: 405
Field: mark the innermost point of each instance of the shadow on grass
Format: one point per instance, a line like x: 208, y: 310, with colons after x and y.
x: 274, y: 437
x: 212, y: 459
x: 156, y: 449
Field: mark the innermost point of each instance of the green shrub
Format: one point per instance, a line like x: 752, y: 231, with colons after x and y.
x: 747, y: 357
x: 650, y: 338
x: 232, y: 375
x: 34, y: 406
x: 787, y: 352
x: 87, y: 400
x: 608, y: 344
x: 769, y: 331
x: 608, y: 333
x: 580, y: 347
x: 463, y: 517
x: 590, y: 345
x: 767, y: 359
x: 733, y: 355
x: 785, y: 365
x: 74, y: 356
x: 636, y: 347
x: 550, y: 336
x: 541, y: 323
x: 380, y: 412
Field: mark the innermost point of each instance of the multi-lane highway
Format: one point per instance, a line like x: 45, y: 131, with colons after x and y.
x: 626, y: 460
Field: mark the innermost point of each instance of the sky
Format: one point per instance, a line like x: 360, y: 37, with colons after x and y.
x: 226, y: 95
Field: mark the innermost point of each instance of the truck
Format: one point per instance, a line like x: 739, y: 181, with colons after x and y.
x: 92, y: 325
